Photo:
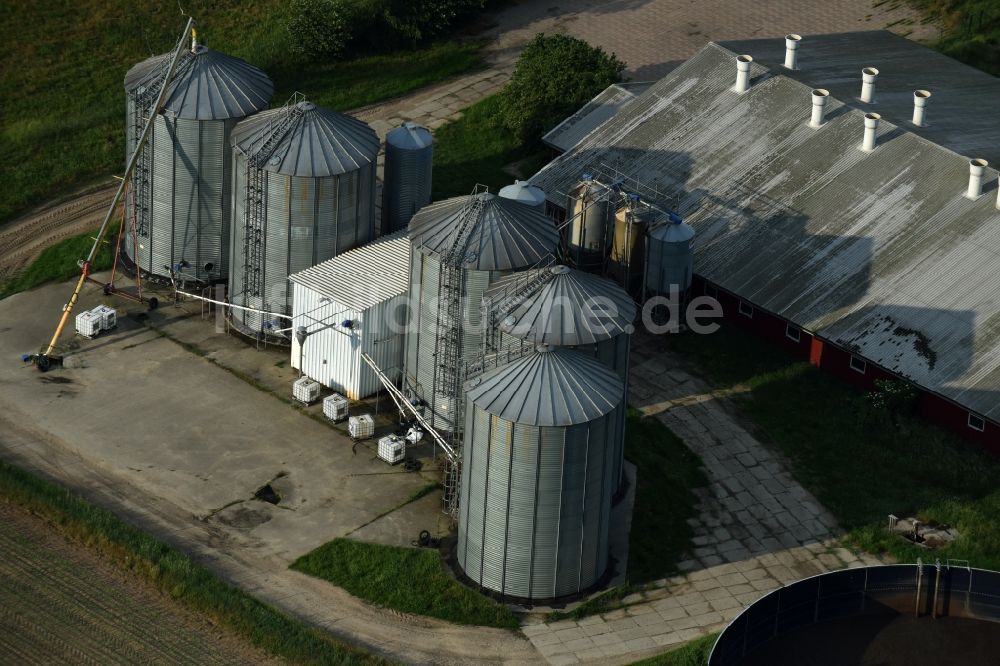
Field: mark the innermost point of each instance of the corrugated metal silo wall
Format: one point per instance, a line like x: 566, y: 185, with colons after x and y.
x: 422, y: 333
x: 307, y: 221
x: 535, y: 505
x: 190, y: 186
x: 407, y: 180
x: 669, y: 264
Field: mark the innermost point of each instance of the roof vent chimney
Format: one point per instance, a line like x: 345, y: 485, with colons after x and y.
x: 868, y: 75
x: 792, y: 50
x: 976, y: 169
x: 920, y: 98
x: 819, y: 97
x: 742, y: 73
x: 871, y: 125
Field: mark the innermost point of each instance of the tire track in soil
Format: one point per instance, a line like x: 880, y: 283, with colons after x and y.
x: 60, y: 603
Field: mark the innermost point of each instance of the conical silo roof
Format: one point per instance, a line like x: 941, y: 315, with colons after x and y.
x: 208, y: 85
x: 562, y: 306
x: 409, y: 136
x: 672, y: 232
x: 318, y: 143
x: 552, y: 386
x: 504, y: 235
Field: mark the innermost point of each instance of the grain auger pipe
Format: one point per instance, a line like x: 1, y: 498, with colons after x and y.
x: 46, y: 360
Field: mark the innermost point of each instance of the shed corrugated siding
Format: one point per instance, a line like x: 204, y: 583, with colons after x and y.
x: 308, y: 220
x: 535, y: 506
x: 189, y: 217
x: 332, y: 357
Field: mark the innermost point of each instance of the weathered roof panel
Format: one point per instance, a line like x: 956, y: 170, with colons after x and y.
x: 364, y: 277
x: 607, y: 103
x: 879, y: 252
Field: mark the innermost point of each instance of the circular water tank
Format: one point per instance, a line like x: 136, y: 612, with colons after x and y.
x: 564, y: 307
x: 589, y: 209
x: 500, y: 236
x: 524, y: 192
x: 537, y: 475
x: 179, y: 194
x: 304, y: 192
x: 670, y: 259
x: 409, y: 156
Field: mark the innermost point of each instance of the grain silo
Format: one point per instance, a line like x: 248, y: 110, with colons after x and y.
x: 563, y: 307
x: 304, y: 191
x: 524, y: 192
x: 632, y: 219
x: 460, y: 246
x: 589, y: 211
x: 537, y: 474
x: 669, y: 258
x: 409, y: 156
x: 180, y: 189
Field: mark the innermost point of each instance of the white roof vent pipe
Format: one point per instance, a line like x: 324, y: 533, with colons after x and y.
x: 792, y: 50
x: 819, y: 97
x: 977, y: 168
x: 871, y: 126
x: 743, y: 73
x: 920, y: 98
x: 868, y: 75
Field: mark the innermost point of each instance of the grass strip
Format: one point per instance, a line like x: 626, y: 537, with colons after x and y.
x: 409, y: 580
x: 694, y: 653
x: 175, y: 574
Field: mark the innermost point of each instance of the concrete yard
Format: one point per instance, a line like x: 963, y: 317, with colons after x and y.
x: 169, y: 440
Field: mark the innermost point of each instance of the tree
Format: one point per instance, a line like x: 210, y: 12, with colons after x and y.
x: 554, y: 76
x: 319, y: 28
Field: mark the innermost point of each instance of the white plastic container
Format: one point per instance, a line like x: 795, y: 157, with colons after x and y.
x: 361, y: 427
x: 392, y: 449
x: 107, y: 315
x: 306, y: 390
x: 88, y: 324
x: 335, y: 407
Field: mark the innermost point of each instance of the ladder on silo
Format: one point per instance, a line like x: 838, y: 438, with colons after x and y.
x: 278, y: 125
x: 524, y: 284
x: 448, y: 360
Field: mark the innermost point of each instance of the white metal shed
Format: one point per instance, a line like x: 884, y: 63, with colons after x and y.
x: 352, y: 304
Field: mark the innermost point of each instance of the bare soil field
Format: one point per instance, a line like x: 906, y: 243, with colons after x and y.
x: 61, y: 603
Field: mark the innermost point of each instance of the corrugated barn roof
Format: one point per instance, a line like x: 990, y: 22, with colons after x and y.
x: 607, y: 103
x: 505, y: 234
x: 562, y: 306
x: 319, y: 142
x: 550, y: 387
x: 208, y: 85
x: 880, y: 252
x: 362, y: 278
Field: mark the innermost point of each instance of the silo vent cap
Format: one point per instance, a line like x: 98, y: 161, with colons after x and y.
x: 559, y: 270
x: 509, y: 320
x: 543, y: 349
x: 306, y: 106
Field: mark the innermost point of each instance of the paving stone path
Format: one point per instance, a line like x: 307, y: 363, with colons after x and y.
x: 756, y: 528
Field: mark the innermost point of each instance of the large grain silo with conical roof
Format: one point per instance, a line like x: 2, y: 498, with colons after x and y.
x: 303, y: 192
x: 180, y: 190
x: 459, y: 247
x: 564, y: 307
x: 538, y: 474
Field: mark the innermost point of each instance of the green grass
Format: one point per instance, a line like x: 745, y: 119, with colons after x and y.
x: 57, y: 263
x: 175, y: 574
x: 61, y: 79
x: 667, y: 473
x: 971, y: 30
x: 404, y: 579
x: 861, y: 465
x: 476, y: 148
x: 694, y: 653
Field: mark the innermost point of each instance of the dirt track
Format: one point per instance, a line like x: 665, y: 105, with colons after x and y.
x: 22, y: 239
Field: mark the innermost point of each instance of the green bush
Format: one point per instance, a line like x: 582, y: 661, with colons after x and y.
x: 892, y: 399
x: 415, y: 21
x: 554, y: 76
x: 320, y: 28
